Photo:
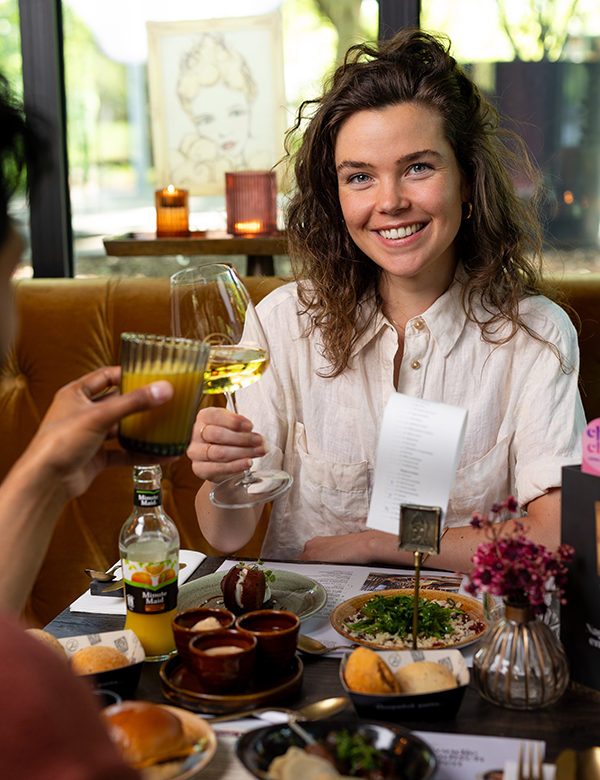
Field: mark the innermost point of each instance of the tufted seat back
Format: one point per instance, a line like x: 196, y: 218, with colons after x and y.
x: 69, y: 327
x: 72, y: 326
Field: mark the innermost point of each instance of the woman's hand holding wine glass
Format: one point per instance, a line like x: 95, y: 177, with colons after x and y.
x: 211, y: 303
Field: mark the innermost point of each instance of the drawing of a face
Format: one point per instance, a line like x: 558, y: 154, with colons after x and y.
x: 222, y: 115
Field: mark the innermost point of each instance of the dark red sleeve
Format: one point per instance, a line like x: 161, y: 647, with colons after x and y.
x: 49, y: 724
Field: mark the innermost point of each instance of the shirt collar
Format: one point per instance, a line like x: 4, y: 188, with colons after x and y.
x: 445, y: 318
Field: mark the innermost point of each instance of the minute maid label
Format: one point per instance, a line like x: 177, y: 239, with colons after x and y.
x: 150, y: 586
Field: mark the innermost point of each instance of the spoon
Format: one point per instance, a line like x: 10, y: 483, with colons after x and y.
x: 318, y: 710
x: 312, y: 646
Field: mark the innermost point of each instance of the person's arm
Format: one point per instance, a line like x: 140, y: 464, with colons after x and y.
x: 61, y: 461
x: 542, y: 525
x: 223, y: 444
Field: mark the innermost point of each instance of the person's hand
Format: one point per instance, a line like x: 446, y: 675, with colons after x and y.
x: 69, y: 443
x: 223, y: 444
x: 345, y: 548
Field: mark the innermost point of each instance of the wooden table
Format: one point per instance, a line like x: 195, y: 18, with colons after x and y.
x: 573, y: 722
x: 259, y: 249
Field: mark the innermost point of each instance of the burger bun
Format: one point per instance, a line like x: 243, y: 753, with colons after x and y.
x: 146, y: 734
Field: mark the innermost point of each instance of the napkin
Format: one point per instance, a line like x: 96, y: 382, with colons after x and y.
x: 106, y: 605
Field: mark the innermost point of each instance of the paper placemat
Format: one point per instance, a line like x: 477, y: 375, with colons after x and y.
x: 470, y: 757
x: 106, y: 605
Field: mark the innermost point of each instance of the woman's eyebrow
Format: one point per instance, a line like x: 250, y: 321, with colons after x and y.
x: 411, y: 157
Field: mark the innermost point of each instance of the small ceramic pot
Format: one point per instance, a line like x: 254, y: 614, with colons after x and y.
x: 277, y: 634
x: 223, y: 660
x: 183, y: 631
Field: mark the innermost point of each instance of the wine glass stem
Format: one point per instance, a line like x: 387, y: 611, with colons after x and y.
x: 248, y: 478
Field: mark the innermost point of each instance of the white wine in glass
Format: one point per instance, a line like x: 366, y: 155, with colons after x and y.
x: 211, y: 303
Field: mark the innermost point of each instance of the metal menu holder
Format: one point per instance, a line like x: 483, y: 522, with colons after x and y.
x: 419, y: 533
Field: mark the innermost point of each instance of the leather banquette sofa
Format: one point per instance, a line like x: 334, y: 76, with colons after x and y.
x: 69, y: 327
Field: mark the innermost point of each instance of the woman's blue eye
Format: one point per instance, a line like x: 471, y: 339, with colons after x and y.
x: 420, y: 167
x: 359, y: 178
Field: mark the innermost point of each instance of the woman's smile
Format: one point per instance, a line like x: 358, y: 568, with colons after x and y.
x: 401, y: 190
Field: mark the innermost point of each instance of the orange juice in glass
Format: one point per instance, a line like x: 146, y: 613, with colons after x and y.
x: 165, y: 430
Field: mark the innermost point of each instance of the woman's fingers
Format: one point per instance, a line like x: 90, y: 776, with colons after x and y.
x: 223, y: 444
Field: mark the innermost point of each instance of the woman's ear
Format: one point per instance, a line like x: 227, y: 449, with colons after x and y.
x: 466, y: 190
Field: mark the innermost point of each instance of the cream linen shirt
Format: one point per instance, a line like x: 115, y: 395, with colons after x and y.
x: 525, y: 417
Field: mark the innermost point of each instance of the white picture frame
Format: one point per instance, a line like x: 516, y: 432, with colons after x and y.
x: 217, y: 99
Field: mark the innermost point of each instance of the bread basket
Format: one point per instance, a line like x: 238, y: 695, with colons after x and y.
x: 399, y: 707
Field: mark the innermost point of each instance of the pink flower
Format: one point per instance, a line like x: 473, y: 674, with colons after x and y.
x: 512, y: 566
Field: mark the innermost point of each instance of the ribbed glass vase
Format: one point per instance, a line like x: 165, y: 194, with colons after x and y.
x: 520, y: 663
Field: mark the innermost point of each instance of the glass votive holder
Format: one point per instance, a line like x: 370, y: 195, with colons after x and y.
x: 251, y: 201
x: 172, y: 213
x: 166, y: 429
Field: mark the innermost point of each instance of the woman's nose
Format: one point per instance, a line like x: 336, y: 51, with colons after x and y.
x: 391, y: 196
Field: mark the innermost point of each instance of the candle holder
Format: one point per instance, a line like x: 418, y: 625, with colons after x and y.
x: 251, y: 199
x: 172, y: 213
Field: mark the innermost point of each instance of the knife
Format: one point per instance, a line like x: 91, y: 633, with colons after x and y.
x: 566, y: 765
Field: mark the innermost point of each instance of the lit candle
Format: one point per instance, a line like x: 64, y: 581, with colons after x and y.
x: 172, y: 212
x: 251, y: 200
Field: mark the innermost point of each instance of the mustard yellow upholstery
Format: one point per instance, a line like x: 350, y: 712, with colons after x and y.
x: 69, y: 327
x: 72, y: 326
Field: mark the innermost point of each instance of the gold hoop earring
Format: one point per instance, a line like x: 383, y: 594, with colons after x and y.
x: 467, y: 215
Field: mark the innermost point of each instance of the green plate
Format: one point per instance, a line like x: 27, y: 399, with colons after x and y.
x: 290, y: 591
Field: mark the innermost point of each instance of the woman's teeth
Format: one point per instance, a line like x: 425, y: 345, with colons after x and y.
x: 401, y: 232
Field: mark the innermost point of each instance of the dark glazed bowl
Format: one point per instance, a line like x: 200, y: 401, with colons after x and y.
x: 223, y: 673
x: 411, y: 757
x: 398, y: 707
x: 277, y: 634
x: 182, y: 628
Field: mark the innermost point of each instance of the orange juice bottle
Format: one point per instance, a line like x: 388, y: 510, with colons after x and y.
x: 149, y: 546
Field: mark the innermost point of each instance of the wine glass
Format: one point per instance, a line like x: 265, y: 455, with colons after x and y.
x: 211, y: 303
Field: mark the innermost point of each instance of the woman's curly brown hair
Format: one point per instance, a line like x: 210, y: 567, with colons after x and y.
x: 500, y: 246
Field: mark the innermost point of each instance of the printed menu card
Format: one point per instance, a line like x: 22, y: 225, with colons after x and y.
x: 418, y: 453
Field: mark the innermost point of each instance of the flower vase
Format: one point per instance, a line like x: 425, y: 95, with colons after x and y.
x: 520, y: 663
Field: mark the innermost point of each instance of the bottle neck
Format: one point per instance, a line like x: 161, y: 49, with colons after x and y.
x: 147, y: 497
x: 147, y: 490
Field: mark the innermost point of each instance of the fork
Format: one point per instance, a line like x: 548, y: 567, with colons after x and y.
x: 526, y: 769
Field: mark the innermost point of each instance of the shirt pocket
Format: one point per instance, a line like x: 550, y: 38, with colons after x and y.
x: 480, y: 485
x: 333, y: 497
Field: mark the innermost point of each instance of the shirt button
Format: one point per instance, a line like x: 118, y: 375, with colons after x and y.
x: 418, y: 324
x: 415, y: 364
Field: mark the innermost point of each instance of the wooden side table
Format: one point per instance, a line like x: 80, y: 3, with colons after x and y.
x: 259, y: 250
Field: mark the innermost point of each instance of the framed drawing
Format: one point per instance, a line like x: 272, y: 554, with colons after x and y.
x: 217, y: 99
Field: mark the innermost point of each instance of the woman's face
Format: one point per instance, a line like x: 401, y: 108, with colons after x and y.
x: 222, y: 115
x: 401, y: 191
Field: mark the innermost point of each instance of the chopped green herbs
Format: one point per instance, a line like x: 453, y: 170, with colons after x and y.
x: 394, y: 615
x: 354, y: 751
x: 269, y: 574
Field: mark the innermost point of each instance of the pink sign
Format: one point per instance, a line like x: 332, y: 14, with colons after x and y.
x: 590, y: 446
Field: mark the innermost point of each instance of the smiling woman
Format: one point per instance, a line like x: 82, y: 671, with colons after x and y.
x: 402, y: 205
x: 417, y: 270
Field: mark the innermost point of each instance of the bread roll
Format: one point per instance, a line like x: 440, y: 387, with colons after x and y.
x: 425, y: 677
x: 145, y: 733
x: 49, y: 640
x: 97, y: 658
x: 366, y: 672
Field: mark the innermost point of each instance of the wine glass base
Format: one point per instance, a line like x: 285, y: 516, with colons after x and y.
x: 237, y: 492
